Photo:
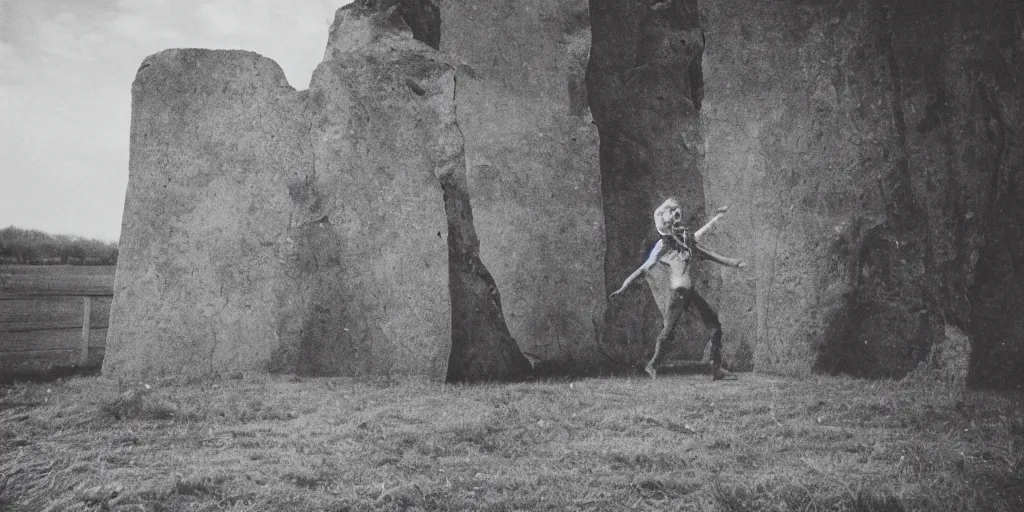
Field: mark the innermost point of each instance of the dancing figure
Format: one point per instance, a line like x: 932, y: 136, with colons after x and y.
x: 675, y: 248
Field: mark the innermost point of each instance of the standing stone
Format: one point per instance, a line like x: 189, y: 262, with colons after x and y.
x: 866, y: 148
x: 385, y: 95
x: 980, y: 120
x: 216, y: 136
x: 377, y: 270
x: 791, y: 142
x: 531, y: 152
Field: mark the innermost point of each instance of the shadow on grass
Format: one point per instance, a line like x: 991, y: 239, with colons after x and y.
x: 556, y: 371
x: 49, y: 373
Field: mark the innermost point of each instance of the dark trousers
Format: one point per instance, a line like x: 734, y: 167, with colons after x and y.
x: 680, y: 302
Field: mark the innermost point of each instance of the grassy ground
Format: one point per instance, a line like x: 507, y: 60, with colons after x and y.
x: 678, y: 443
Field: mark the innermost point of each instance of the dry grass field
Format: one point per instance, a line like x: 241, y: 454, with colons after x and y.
x: 255, y: 443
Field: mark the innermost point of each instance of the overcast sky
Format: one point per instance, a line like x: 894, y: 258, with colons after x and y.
x: 66, y: 69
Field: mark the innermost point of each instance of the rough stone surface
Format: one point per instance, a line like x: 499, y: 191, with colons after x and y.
x: 948, y: 361
x: 374, y: 270
x: 645, y: 90
x: 984, y: 200
x: 481, y: 346
x: 791, y: 152
x: 326, y: 232
x: 867, y: 149
x: 531, y: 154
x: 215, y: 138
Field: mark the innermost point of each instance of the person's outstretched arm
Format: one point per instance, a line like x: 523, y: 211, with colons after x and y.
x: 652, y: 258
x: 703, y: 229
x: 718, y: 258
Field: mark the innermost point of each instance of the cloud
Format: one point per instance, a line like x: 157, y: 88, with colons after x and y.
x: 12, y: 67
x: 145, y: 30
x: 222, y: 18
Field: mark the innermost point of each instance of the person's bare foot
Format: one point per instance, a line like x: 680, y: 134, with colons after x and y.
x: 651, y: 371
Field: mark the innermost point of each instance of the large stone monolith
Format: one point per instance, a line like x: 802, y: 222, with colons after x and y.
x: 374, y: 268
x: 867, y: 149
x: 216, y: 137
x: 386, y: 94
x: 531, y: 154
x: 790, y: 144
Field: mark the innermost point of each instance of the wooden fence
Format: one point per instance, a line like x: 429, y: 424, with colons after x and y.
x: 54, y: 315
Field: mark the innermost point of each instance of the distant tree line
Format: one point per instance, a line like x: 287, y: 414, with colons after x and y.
x: 29, y: 246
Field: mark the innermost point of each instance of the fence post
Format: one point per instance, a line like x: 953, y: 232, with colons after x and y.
x: 83, y: 354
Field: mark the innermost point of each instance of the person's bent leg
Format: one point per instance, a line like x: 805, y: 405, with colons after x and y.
x: 678, y: 301
x: 710, y: 319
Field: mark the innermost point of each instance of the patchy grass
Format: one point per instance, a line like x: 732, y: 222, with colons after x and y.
x: 679, y: 443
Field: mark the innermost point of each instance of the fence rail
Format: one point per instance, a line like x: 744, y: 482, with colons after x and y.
x: 54, y: 313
